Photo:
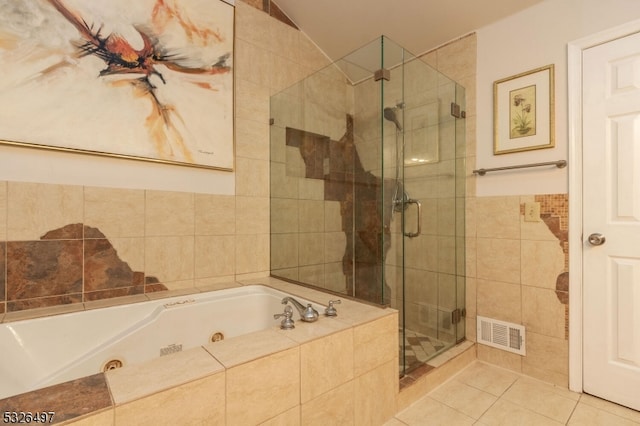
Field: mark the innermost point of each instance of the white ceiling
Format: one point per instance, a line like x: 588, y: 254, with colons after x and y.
x: 339, y: 27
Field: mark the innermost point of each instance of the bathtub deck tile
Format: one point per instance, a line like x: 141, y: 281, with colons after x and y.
x: 155, y: 295
x: 204, y: 285
x: 68, y: 400
x: 248, y: 347
x: 352, y: 312
x: 294, y: 289
x: 116, y: 301
x: 305, y: 332
x: 43, y: 312
x: 356, y: 313
x: 349, y: 311
x: 136, y: 381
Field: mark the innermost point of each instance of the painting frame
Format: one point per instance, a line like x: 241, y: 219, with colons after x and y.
x: 524, y: 111
x: 174, y: 68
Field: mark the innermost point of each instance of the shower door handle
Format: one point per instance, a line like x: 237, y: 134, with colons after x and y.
x: 418, y: 217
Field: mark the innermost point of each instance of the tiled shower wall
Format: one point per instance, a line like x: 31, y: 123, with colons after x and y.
x: 311, y: 242
x: 308, y: 238
x: 180, y: 241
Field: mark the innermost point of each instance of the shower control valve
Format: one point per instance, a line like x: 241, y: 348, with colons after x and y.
x: 330, y: 310
x: 287, y: 322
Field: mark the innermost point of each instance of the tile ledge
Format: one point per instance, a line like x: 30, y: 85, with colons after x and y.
x: 42, y: 312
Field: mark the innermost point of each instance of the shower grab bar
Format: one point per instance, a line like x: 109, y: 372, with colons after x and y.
x: 559, y: 164
x: 418, y: 216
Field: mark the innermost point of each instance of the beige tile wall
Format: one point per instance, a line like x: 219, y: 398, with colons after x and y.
x: 34, y: 209
x: 511, y: 265
x: 186, y: 239
x: 183, y: 239
x: 307, y: 237
x: 512, y: 276
x: 458, y: 61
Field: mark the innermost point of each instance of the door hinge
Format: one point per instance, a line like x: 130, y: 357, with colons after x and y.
x: 457, y: 315
x: 456, y: 111
x: 382, y: 73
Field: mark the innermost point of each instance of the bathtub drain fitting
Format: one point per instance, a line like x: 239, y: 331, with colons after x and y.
x: 216, y: 337
x: 112, y: 365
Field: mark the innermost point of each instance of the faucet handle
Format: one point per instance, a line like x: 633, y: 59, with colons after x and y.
x: 287, y: 322
x: 330, y: 310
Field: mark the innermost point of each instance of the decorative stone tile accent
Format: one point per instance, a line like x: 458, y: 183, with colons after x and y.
x: 68, y: 232
x: 68, y: 400
x: 359, y: 192
x: 151, y: 284
x: 42, y: 302
x: 554, y: 211
x: 43, y: 268
x: 272, y: 10
x: 71, y: 264
x: 259, y: 4
x: 103, y: 270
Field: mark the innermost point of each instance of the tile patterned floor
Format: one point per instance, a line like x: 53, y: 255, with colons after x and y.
x: 483, y: 394
x: 419, y: 348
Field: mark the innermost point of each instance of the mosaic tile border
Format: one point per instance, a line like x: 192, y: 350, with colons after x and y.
x: 554, y: 212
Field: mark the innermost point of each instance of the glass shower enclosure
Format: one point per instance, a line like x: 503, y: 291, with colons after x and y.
x: 368, y: 190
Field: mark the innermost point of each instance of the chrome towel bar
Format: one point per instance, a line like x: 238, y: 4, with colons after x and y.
x: 559, y: 164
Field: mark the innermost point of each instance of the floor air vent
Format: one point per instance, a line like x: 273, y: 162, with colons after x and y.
x: 501, y: 335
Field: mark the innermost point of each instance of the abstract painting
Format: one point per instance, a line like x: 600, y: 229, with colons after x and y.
x: 140, y: 79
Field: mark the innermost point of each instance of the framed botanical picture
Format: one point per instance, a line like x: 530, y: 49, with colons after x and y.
x: 523, y: 111
x: 146, y: 79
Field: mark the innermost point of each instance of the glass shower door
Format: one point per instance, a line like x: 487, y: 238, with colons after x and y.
x: 431, y: 228
x: 367, y: 190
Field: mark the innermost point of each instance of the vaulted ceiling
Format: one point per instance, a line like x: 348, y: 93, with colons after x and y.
x: 339, y: 27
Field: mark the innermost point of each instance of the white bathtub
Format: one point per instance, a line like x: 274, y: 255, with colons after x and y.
x: 46, y: 351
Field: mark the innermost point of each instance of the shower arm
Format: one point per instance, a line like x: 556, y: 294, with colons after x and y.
x: 418, y: 217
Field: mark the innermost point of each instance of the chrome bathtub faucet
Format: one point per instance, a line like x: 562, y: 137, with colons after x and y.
x: 287, y: 323
x: 307, y: 314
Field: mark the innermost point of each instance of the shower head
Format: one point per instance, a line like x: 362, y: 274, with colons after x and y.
x: 390, y: 114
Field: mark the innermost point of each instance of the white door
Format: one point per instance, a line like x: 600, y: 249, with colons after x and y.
x: 611, y: 197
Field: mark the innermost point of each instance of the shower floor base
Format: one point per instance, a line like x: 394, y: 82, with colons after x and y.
x: 419, y: 348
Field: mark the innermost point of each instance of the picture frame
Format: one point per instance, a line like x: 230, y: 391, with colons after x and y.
x: 149, y: 80
x: 524, y: 111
